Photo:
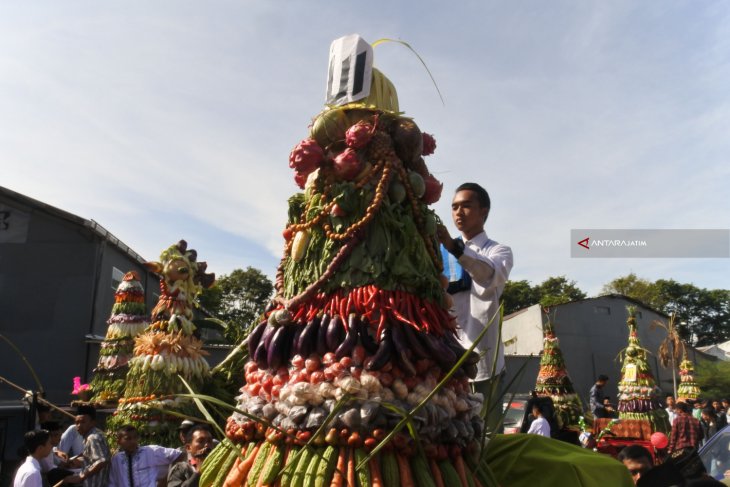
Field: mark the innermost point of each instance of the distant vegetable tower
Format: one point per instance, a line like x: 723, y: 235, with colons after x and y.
x: 638, y: 393
x: 128, y: 319
x: 167, y: 349
x: 688, y: 388
x: 553, y: 380
x: 359, y: 329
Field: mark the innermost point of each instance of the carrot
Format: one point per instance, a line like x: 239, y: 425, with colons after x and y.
x: 404, y: 469
x: 376, y: 477
x: 238, y: 473
x: 461, y: 470
x: 436, y: 473
x: 339, y: 476
x: 351, y: 482
x: 233, y: 472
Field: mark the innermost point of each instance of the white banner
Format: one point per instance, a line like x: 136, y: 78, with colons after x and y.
x: 350, y: 70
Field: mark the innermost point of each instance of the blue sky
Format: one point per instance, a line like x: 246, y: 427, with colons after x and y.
x: 174, y: 119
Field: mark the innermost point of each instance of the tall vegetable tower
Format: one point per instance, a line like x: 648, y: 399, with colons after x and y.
x: 638, y: 393
x: 359, y: 332
x: 167, y: 349
x: 688, y: 388
x: 128, y: 319
x: 553, y: 380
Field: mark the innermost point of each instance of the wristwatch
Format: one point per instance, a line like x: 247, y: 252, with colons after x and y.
x: 458, y: 249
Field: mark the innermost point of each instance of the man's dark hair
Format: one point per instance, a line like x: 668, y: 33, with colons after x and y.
x: 193, y: 429
x: 51, y: 426
x: 602, y: 377
x: 710, y: 411
x: 126, y: 429
x: 35, y: 439
x: 634, y: 452
x: 682, y: 406
x: 89, y: 411
x: 482, y: 195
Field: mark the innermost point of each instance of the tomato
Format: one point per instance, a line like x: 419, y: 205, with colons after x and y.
x: 358, y: 355
x: 316, y: 377
x: 297, y: 361
x: 312, y: 363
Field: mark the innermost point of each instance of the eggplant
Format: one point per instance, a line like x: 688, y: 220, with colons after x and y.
x: 261, y: 356
x: 419, y: 351
x: 385, y: 350
x: 346, y: 347
x: 335, y: 333
x: 306, y: 343
x: 255, y: 337
x: 441, y: 352
x: 299, y: 328
x: 470, y: 370
x: 459, y: 350
x: 266, y: 335
x: 401, y: 351
x: 321, y: 344
x: 366, y: 340
x: 278, y: 350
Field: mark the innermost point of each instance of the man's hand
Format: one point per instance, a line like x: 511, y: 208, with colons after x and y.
x: 444, y: 237
x: 72, y: 479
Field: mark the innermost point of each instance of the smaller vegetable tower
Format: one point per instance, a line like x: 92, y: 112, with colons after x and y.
x: 553, y: 380
x: 688, y: 388
x: 638, y: 392
x: 126, y: 322
x: 166, y: 351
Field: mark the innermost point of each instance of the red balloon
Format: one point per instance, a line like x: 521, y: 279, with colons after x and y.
x: 659, y: 440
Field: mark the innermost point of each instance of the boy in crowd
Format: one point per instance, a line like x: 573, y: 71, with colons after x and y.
x: 139, y: 466
x: 38, y: 444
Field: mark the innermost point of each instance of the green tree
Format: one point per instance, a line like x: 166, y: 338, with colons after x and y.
x: 518, y: 295
x: 558, y: 290
x: 713, y: 378
x: 238, y: 299
x: 633, y: 287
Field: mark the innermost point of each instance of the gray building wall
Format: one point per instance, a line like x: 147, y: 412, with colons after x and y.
x: 56, y: 288
x: 592, y: 332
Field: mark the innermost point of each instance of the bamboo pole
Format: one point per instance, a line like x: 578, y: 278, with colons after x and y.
x: 39, y: 399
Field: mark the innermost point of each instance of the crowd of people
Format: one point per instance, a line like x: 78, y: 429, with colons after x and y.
x: 80, y: 455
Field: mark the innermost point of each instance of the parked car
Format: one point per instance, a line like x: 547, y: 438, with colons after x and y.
x: 715, y: 454
x: 515, y: 413
x: 518, y: 413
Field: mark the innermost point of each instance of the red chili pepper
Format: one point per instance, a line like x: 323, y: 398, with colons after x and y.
x: 299, y: 313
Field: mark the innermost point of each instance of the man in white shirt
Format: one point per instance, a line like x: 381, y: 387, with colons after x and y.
x: 539, y: 425
x: 670, y: 408
x: 487, y: 265
x: 39, y: 446
x: 72, y: 442
x: 140, y: 466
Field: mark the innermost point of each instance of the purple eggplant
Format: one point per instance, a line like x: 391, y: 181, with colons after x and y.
x: 261, y: 356
x: 367, y: 341
x: 402, y: 351
x: 278, y: 351
x: 254, y: 337
x: 346, y: 347
x: 439, y: 351
x: 321, y: 344
x: 335, y: 333
x: 419, y: 351
x: 384, y: 353
x: 307, y: 340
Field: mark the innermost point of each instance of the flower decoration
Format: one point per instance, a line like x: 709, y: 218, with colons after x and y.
x: 78, y: 386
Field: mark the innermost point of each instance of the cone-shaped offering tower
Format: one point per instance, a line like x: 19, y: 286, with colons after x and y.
x: 359, y: 333
x: 688, y: 388
x: 638, y: 392
x: 166, y: 350
x: 553, y: 380
x: 128, y: 319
